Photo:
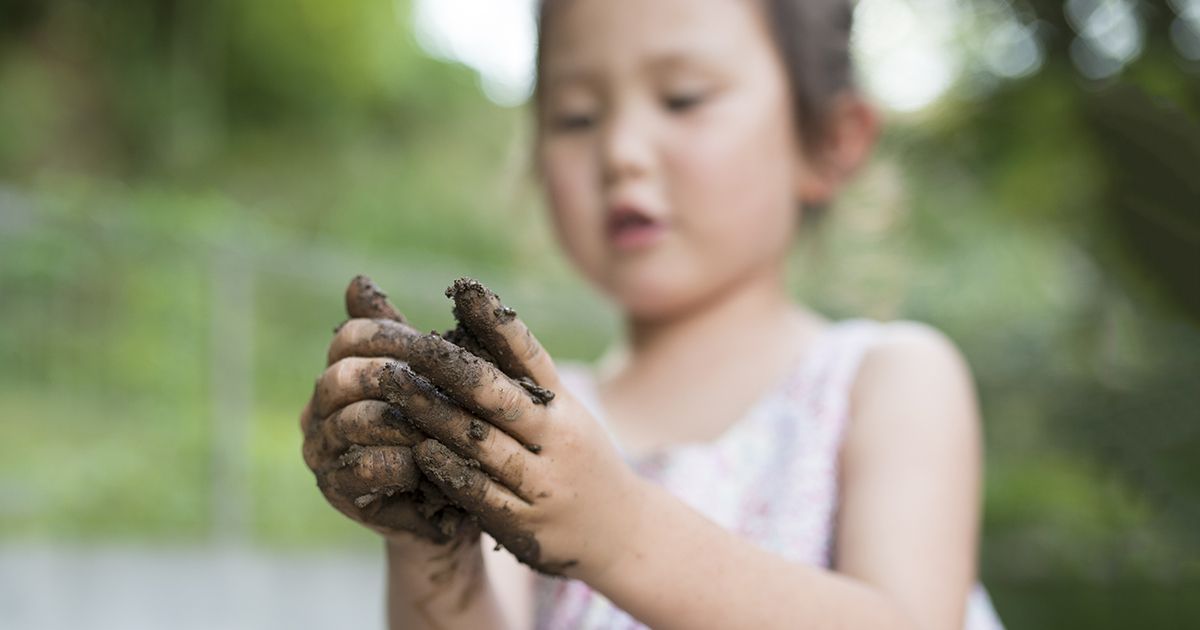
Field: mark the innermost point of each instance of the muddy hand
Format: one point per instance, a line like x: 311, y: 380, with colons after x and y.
x: 510, y: 445
x: 358, y: 445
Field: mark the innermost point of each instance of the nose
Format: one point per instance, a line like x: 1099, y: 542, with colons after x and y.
x: 627, y: 146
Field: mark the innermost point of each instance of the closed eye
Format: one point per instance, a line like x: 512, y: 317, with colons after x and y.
x: 573, y: 122
x: 683, y: 102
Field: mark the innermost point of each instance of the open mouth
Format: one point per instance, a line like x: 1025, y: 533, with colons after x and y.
x: 630, y: 228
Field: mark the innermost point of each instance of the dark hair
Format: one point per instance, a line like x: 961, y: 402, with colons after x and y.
x: 813, y: 39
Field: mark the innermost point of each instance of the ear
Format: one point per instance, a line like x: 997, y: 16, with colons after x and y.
x: 839, y: 149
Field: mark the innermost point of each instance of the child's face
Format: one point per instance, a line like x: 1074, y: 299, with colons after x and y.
x: 679, y: 111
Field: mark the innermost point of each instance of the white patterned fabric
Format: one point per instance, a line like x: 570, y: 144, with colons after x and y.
x: 771, y: 477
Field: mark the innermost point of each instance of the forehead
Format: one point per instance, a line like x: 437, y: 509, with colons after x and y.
x: 600, y: 35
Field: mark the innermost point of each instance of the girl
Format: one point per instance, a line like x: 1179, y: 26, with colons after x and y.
x: 738, y: 461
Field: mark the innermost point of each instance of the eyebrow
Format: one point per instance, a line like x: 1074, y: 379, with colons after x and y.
x: 657, y: 64
x: 673, y: 59
x: 567, y: 78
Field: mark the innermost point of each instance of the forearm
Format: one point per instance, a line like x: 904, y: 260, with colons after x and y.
x: 440, y: 589
x: 683, y: 571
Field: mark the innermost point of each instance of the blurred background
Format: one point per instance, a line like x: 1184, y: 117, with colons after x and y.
x: 186, y: 188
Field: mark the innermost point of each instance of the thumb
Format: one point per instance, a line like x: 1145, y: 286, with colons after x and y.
x: 511, y: 344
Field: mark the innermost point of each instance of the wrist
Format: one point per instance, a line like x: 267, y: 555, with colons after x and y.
x: 426, y: 566
x: 410, y: 549
x: 623, y: 535
x: 439, y: 585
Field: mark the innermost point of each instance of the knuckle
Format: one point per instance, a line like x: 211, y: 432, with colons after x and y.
x: 311, y: 451
x: 353, y: 417
x: 533, y: 349
x: 477, y: 489
x: 366, y: 471
x: 335, y: 423
x: 510, y: 403
x: 491, y: 439
x: 368, y: 464
x: 344, y: 373
x: 392, y: 465
x: 356, y: 329
x: 327, y: 381
x: 345, y: 337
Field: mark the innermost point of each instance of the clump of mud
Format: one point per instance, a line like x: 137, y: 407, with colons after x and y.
x: 479, y: 312
x: 461, y: 335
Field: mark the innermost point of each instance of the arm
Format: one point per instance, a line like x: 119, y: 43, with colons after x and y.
x: 432, y: 588
x: 906, y: 531
x: 513, y: 583
x: 911, y: 477
x: 486, y: 590
x: 551, y: 487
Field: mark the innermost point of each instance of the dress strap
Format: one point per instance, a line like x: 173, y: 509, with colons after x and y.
x: 824, y: 386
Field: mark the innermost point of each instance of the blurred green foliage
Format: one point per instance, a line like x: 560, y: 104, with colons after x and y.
x: 172, y: 172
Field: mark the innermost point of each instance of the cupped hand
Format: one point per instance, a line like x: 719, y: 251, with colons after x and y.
x: 358, y: 444
x: 509, y: 444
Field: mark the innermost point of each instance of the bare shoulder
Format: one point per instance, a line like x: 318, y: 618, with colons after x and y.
x: 909, y: 344
x: 913, y: 388
x: 914, y: 359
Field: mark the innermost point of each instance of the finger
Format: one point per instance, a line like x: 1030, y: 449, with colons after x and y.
x: 370, y: 423
x: 365, y: 423
x: 314, y: 445
x: 406, y: 512
x: 501, y: 513
x: 511, y: 344
x: 478, y: 386
x: 436, y: 507
x: 401, y: 513
x: 398, y: 512
x: 464, y: 484
x: 371, y: 338
x: 307, y: 418
x: 499, y: 454
x: 365, y: 299
x: 366, y: 470
x: 349, y: 380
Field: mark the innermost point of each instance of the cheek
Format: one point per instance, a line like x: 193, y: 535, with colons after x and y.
x: 737, y: 181
x: 573, y: 206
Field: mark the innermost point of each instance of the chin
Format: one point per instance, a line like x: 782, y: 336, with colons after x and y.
x: 656, y: 287
x: 652, y: 297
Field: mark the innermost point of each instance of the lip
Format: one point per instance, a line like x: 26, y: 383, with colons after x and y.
x: 631, y: 228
